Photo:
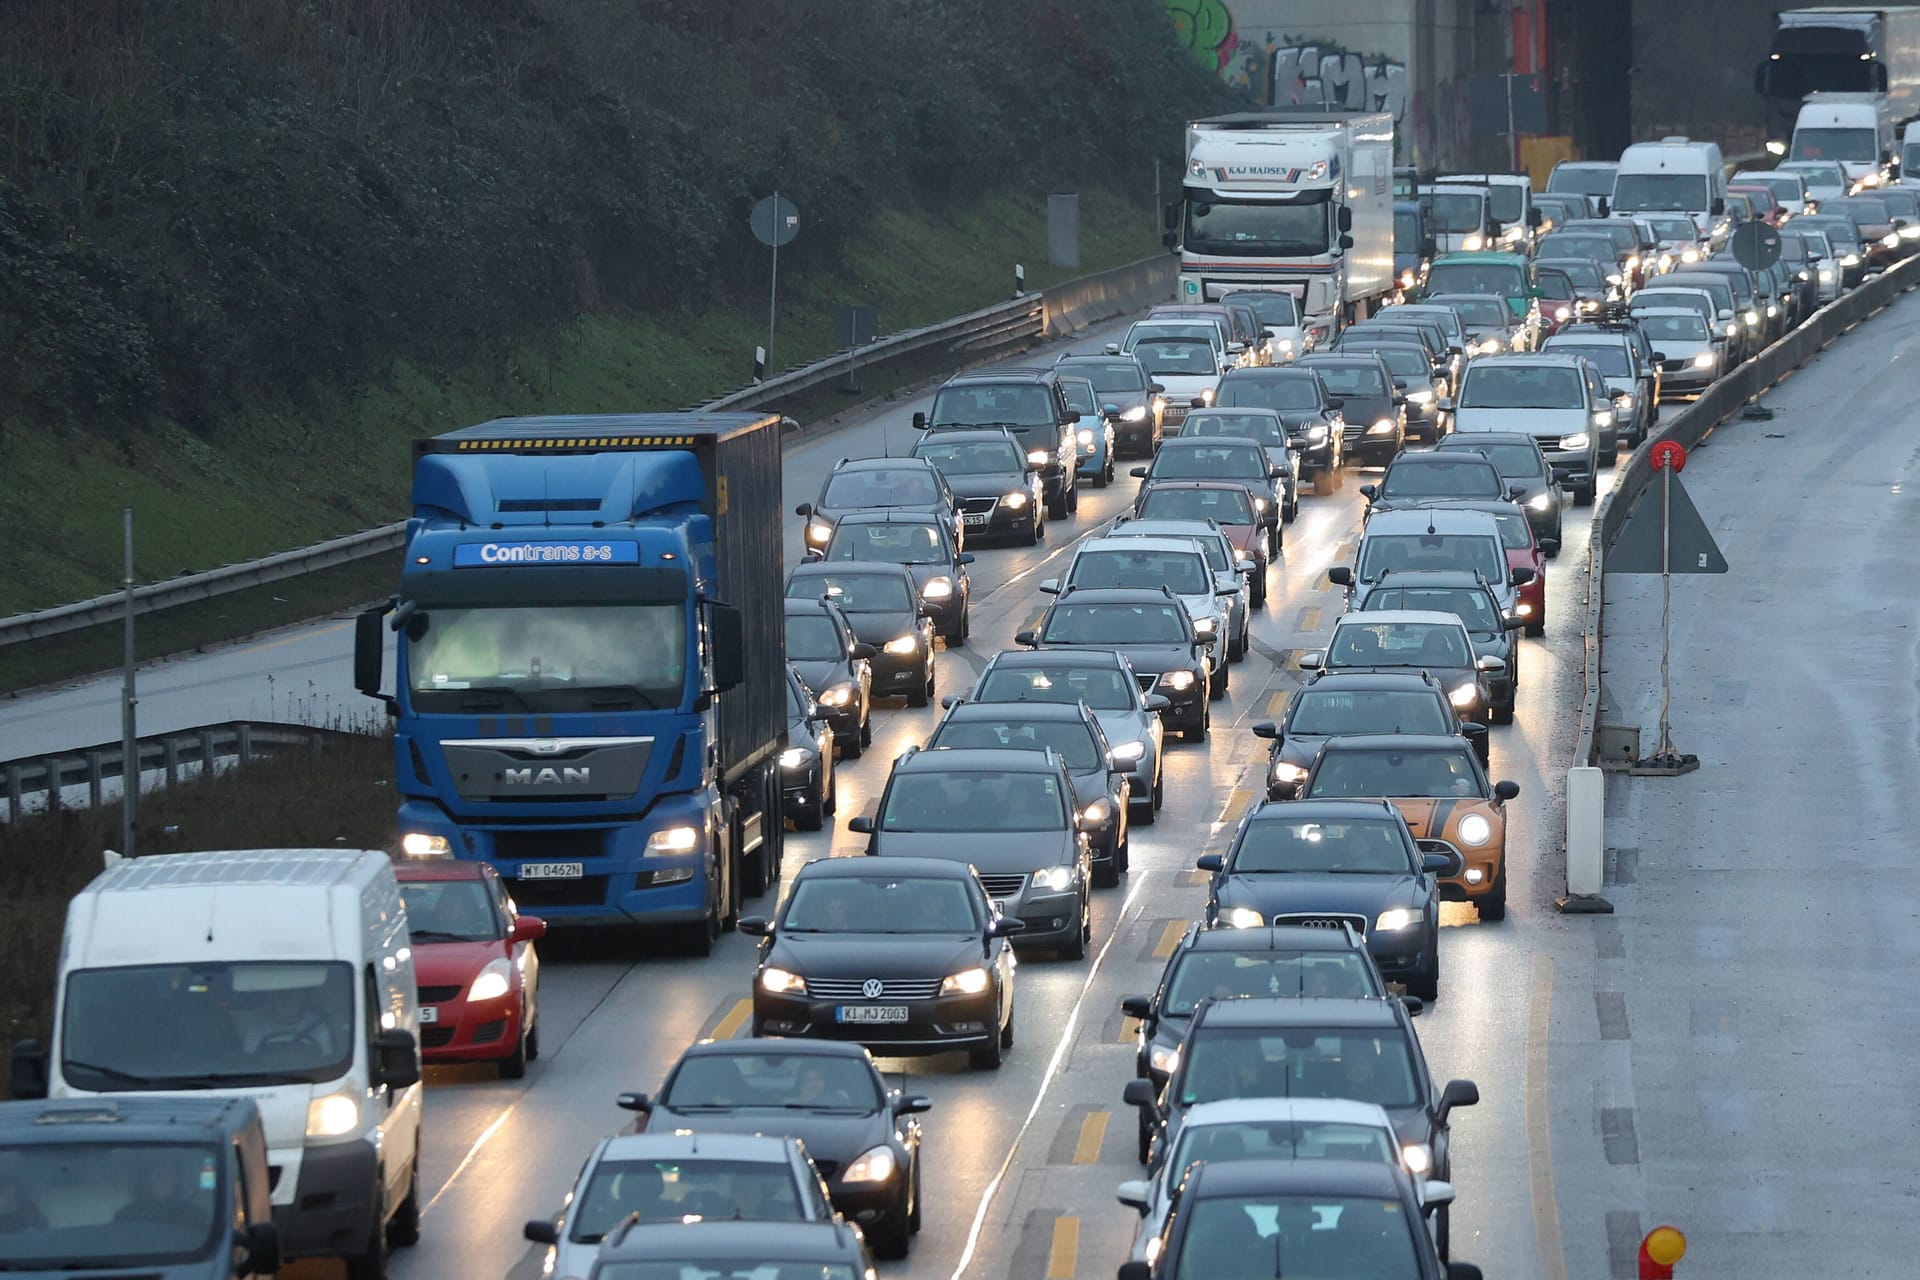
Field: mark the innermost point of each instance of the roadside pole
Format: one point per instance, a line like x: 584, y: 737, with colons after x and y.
x: 129, y: 734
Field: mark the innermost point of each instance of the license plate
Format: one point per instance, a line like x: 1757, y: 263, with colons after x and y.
x: 973, y: 522
x: 428, y: 1013
x: 552, y: 870
x: 871, y: 1013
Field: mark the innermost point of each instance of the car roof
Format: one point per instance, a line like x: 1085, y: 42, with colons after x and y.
x: 1157, y: 530
x: 1672, y: 311
x: 732, y: 1239
x: 1237, y: 1178
x: 806, y: 1048
x: 1286, y: 937
x: 179, y: 1117
x: 975, y: 760
x: 850, y: 568
x: 1440, y: 520
x: 1057, y: 657
x: 1341, y: 678
x: 1429, y: 458
x: 1026, y: 710
x: 1414, y: 578
x: 1390, y: 617
x: 748, y: 1147
x: 885, y: 865
x: 1483, y: 255
x: 1314, y: 359
x: 1525, y: 358
x: 1023, y: 374
x: 1143, y: 542
x: 419, y: 870
x: 1235, y: 409
x: 1266, y: 373
x: 888, y: 515
x: 1326, y: 810
x: 907, y: 463
x: 1202, y: 484
x: 1399, y: 742
x: 1254, y: 1110
x: 1468, y: 439
x: 1119, y: 595
x: 1302, y: 1011
x: 949, y: 434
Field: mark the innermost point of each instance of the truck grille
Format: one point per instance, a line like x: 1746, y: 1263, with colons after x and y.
x: 551, y: 844
x: 1358, y: 923
x: 587, y: 891
x: 1002, y: 886
x: 890, y: 988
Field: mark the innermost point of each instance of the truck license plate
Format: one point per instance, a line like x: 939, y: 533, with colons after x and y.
x: 428, y: 1014
x: 552, y: 871
x: 871, y: 1013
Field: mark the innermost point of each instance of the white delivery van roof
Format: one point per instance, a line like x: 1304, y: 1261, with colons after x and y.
x: 1674, y: 154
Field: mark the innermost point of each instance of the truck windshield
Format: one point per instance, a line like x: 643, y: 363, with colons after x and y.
x: 601, y: 657
x: 1406, y: 231
x: 1656, y: 191
x: 204, y: 1025
x: 84, y: 1205
x: 1910, y: 158
x: 1860, y: 146
x: 1455, y: 212
x: 1258, y: 228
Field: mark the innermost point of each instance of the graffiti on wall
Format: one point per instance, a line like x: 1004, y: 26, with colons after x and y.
x: 1205, y: 29
x: 1306, y: 73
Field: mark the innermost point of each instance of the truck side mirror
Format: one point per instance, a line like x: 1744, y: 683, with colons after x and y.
x: 369, y: 645
x: 396, y: 1059
x: 1718, y: 207
x: 727, y: 630
x: 1344, y: 218
x: 28, y: 1075
x: 1534, y: 218
x: 260, y: 1251
x: 1346, y: 241
x: 920, y: 421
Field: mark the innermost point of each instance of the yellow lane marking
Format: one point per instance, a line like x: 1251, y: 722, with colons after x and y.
x: 1129, y: 1029
x: 1093, y: 1131
x: 1309, y: 619
x: 735, y: 1019
x: 1064, y: 1256
x: 1277, y: 702
x: 301, y: 635
x: 1169, y: 939
x: 1546, y: 1201
x: 1236, y: 805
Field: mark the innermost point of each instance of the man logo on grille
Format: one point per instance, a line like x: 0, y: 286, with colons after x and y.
x: 873, y: 988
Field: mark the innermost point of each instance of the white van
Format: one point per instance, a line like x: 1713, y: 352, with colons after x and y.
x: 1855, y: 129
x: 1510, y: 201
x: 1910, y: 154
x: 1674, y: 175
x: 280, y: 975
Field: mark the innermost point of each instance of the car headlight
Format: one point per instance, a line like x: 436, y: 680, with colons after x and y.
x: 1206, y: 396
x: 1016, y: 500
x: 1578, y: 440
x: 1317, y: 433
x: 1562, y: 313
x: 818, y: 532
x: 1406, y: 278
x: 1136, y: 414
x: 967, y: 982
x: 1205, y: 626
x: 1287, y: 771
x: 1384, y: 427
x: 1475, y: 830
x: 1164, y: 1059
x: 1752, y: 318
x: 1098, y: 811
x: 1613, y: 277
x: 493, y: 981
x: 838, y: 696
x: 418, y: 844
x: 1417, y: 1159
x: 1464, y: 695
x: 1419, y: 397
x: 1602, y: 417
x: 794, y: 757
x: 1242, y: 918
x: 1054, y: 879
x: 1474, y: 243
x: 1690, y: 255
x: 1127, y: 752
x: 1704, y: 360
x: 1259, y: 505
x: 1086, y: 435
x: 1179, y: 681
x: 1772, y: 311
x: 1891, y: 239
x: 1490, y: 346
x: 901, y: 645
x: 781, y: 981
x: 1540, y: 501
x: 937, y: 589
x: 876, y: 1164
x: 1851, y: 260
x: 333, y: 1115
x: 1624, y: 400
x: 1826, y: 274
x: 1397, y: 918
x: 1733, y: 330
x: 681, y: 839
x: 1286, y: 344
x: 1039, y: 457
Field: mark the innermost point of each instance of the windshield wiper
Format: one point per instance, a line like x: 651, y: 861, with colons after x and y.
x: 112, y: 1073
x: 434, y: 935
x: 492, y: 698
x: 606, y: 696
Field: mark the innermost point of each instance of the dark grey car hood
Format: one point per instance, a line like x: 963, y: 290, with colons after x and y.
x: 818, y: 674
x: 991, y: 485
x: 1366, y: 895
x: 990, y: 852
x: 835, y: 1138
x: 879, y: 626
x: 1147, y: 659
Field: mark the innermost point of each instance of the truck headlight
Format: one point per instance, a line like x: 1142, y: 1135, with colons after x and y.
x: 1464, y: 695
x: 1054, y: 879
x: 1136, y: 414
x: 1397, y: 918
x: 419, y: 844
x: 333, y: 1115
x: 1384, y: 427
x: 876, y: 1164
x: 1242, y: 918
x: 1474, y: 243
x: 837, y: 696
x: 1578, y: 440
x: 1039, y: 457
x: 902, y: 645
x: 937, y: 589
x: 1540, y: 502
x: 1475, y: 830
x: 794, y: 757
x: 967, y: 982
x: 1704, y: 360
x: 1179, y: 681
x: 682, y: 839
x: 781, y: 981
x: 493, y: 981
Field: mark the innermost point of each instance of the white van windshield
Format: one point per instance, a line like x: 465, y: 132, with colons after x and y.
x: 1860, y: 146
x: 1634, y: 192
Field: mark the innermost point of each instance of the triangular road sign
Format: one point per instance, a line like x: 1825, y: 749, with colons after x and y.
x: 1692, y: 548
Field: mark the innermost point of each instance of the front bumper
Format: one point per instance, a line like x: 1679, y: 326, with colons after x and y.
x: 1579, y: 466
x: 1532, y: 601
x: 932, y: 1026
x: 870, y: 1203
x: 899, y: 673
x: 332, y: 1210
x: 1094, y: 457
x: 799, y: 786
x: 1001, y: 519
x: 467, y: 1031
x: 1314, y: 459
x: 1186, y: 709
x: 1487, y: 861
x: 1373, y: 451
x: 1400, y: 953
x: 1134, y: 437
x: 1052, y: 917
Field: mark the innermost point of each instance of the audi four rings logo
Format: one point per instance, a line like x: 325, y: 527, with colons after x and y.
x: 873, y: 988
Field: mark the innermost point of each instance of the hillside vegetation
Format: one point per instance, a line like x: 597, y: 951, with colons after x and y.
x: 230, y: 228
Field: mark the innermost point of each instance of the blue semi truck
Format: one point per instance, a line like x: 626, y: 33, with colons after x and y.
x: 589, y: 692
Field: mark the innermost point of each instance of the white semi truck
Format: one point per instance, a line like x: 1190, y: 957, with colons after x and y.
x: 1295, y: 201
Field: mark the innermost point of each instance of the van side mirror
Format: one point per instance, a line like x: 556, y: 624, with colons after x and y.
x: 1346, y: 241
x: 1605, y: 208
x: 728, y: 637
x: 28, y: 1074
x: 396, y: 1059
x: 1717, y: 208
x: 1344, y: 218
x: 260, y: 1251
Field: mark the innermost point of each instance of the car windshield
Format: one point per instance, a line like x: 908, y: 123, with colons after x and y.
x: 972, y: 457
x: 1327, y: 712
x: 1212, y: 543
x: 1444, y: 318
x: 1070, y: 739
x: 1611, y: 358
x: 1259, y: 228
x: 1652, y: 300
x: 1638, y: 192
x: 898, y: 487
x: 1399, y: 644
x: 1111, y: 624
x: 1226, y: 505
x: 1498, y: 385
x: 1352, y: 379
x: 1495, y: 279
x: 1465, y: 552
x: 765, y: 1078
x: 1515, y: 531
x: 722, y: 1269
x: 1387, y: 771
x: 1017, y: 404
x: 1185, y: 572
x: 1555, y: 284
x: 1079, y: 395
x: 1251, y: 426
x: 1857, y: 146
x: 855, y: 592
x: 1455, y: 212
x: 683, y: 1190
x: 451, y: 911
x: 1298, y: 392
x: 1817, y: 242
x: 1582, y: 179
x: 1181, y: 357
x: 879, y: 904
x: 1674, y: 228
x: 887, y: 543
x: 1784, y: 186
x: 1247, y: 975
x: 1408, y: 363
x: 1309, y: 1236
x: 1864, y: 210
x: 1276, y: 310
x: 1512, y: 461
x: 1472, y: 605
x: 1371, y: 847
x: 1101, y: 688
x: 1238, y: 1140
x: 1303, y: 1062
x: 72, y: 1206
x: 812, y: 637
x: 950, y: 800
x: 1233, y: 462
x: 208, y: 1025
x: 1169, y: 328
x: 1576, y: 244
x: 1685, y: 328
x: 1487, y: 312
x: 1443, y: 478
x: 547, y: 658
x: 1110, y: 375
x: 1584, y: 273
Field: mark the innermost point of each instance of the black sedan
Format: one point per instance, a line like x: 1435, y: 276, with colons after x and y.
x: 999, y: 490
x: 922, y: 543
x: 807, y: 789
x: 1529, y: 477
x: 1315, y: 425
x: 1266, y: 428
x: 882, y: 602
x: 836, y: 668
x: 860, y: 1135
x: 866, y: 484
x: 902, y: 955
x: 1127, y: 399
x: 1229, y: 460
x: 1325, y: 863
x: 1423, y: 477
x: 1348, y: 704
x: 1467, y: 597
x: 1372, y: 402
x: 1151, y: 630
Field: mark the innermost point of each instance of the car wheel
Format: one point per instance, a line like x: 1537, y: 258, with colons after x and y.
x: 990, y: 1055
x: 1237, y: 650
x: 1107, y: 875
x: 1057, y: 507
x: 1443, y: 1233
x: 866, y: 729
x: 1159, y: 791
x: 813, y: 814
x: 1141, y: 812
x: 1426, y: 983
x: 922, y: 692
x: 514, y: 1065
x: 1144, y: 1147
x: 893, y: 1237
x: 913, y: 1214
x: 1073, y: 499
x: 1584, y: 495
x: 371, y: 1262
x: 1006, y: 1032
x: 1217, y: 683
x: 533, y: 1038
x: 1503, y: 712
x: 1102, y: 477
x: 850, y: 748
x: 1123, y: 855
x: 1537, y: 626
x: 403, y: 1229
x: 1291, y: 509
x: 1199, y: 732
x: 1076, y: 947
x: 1494, y: 906
x: 1107, y: 476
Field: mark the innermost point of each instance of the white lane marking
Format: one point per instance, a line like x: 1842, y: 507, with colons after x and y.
x: 473, y: 1153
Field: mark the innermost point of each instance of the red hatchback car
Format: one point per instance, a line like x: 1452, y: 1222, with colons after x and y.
x: 474, y: 959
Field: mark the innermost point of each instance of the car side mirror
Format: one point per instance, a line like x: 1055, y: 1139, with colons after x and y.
x: 1213, y: 862
x: 1156, y: 388
x: 1136, y: 1271
x: 396, y: 1056
x: 965, y: 558
x: 1336, y: 402
x: 1196, y: 403
x: 1246, y: 566
x: 1399, y: 398
x: 1140, y: 1007
x: 1490, y: 664
x: 804, y: 509
x: 1233, y: 590
x: 1472, y: 730
x: 1110, y: 410
x: 1073, y: 416
x: 812, y: 555
x: 1050, y: 586
x: 1341, y: 575
x: 28, y: 1073
x: 1458, y: 1093
x: 757, y: 926
x: 1436, y: 863
x: 1462, y: 1271
x: 1134, y: 1194
x: 865, y: 652
x: 1512, y: 624
x: 1505, y: 790
x: 1445, y: 404
x: 860, y: 824
x: 639, y: 1102
x: 919, y: 421
x: 527, y: 929
x: 1717, y: 208
x: 541, y: 1231
x: 1436, y: 1194
x: 1369, y: 492
x: 1027, y: 639
x: 260, y: 1249
x: 1157, y: 702
x: 1312, y: 660
x: 1414, y: 1005
x: 1138, y: 473
x: 913, y: 1104
x: 1266, y: 729
x: 1522, y: 576
x: 1550, y: 546
x: 1006, y: 927
x: 1139, y: 1093
x: 1113, y: 348
x: 1661, y: 356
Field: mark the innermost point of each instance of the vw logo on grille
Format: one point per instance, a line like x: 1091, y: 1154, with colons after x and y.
x: 873, y: 988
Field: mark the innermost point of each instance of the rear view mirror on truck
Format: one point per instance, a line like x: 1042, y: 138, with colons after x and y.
x: 729, y: 634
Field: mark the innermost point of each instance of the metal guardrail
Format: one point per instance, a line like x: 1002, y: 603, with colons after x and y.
x: 200, y: 748
x: 1689, y: 427
x: 1050, y: 312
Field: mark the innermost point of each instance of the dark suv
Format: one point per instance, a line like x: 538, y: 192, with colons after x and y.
x: 1031, y: 404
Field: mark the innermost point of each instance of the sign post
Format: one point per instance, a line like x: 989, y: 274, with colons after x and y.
x: 775, y: 221
x: 129, y: 731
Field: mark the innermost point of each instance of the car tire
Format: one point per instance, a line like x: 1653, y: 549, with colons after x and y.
x: 851, y: 748
x: 702, y: 934
x: 1144, y: 1143
x: 1237, y: 649
x: 533, y: 1040
x: 913, y: 1214
x: 1584, y: 495
x: 1218, y: 682
x: 371, y: 1262
x: 893, y: 1238
x: 1076, y: 949
x: 1257, y: 597
x: 1159, y: 791
x: 514, y: 1065
x: 1102, y: 477
x: 1493, y: 907
x: 1141, y: 812
x: 403, y: 1228
x: 1426, y: 983
x: 813, y: 814
x: 1291, y: 510
x: 1108, y: 876
x: 1443, y: 1232
x: 1108, y: 473
x: 989, y: 1056
x: 1006, y: 1032
x: 1503, y: 712
x: 1057, y: 507
x: 1536, y: 626
x: 922, y: 692
x: 1073, y: 499
x: 1199, y: 732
